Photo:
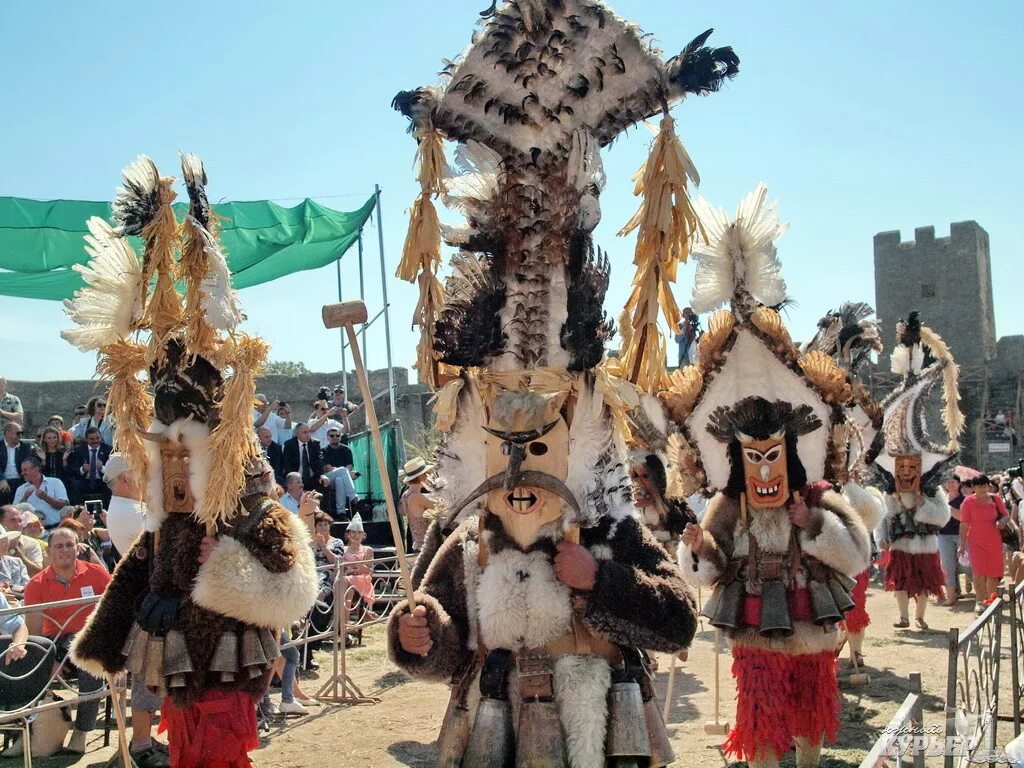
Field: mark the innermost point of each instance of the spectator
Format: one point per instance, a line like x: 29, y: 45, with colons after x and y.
x: 949, y: 542
x: 67, y: 578
x: 338, y: 462
x: 13, y: 573
x: 982, y: 516
x: 322, y: 421
x: 293, y: 494
x: 47, y: 495
x: 57, y: 422
x: 35, y: 531
x: 10, y: 406
x: 86, y: 552
x: 96, y: 410
x: 336, y: 454
x: 327, y: 550
x: 414, y: 503
x: 302, y: 455
x: 357, y: 573
x: 15, y: 628
x: 268, y: 414
x: 340, y: 401
x: 85, y: 465
x: 53, y: 454
x: 78, y: 425
x: 687, y: 336
x: 26, y: 548
x: 272, y: 453
x: 15, y: 452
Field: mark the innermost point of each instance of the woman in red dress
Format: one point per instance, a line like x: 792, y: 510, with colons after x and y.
x: 982, y: 515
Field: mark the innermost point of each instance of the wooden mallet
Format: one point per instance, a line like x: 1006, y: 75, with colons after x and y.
x: 346, y: 315
x: 717, y: 728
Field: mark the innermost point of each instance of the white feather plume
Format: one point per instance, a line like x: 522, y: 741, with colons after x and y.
x: 477, y: 178
x: 738, y: 255
x: 220, y: 300
x: 107, y: 308
x: 590, y: 438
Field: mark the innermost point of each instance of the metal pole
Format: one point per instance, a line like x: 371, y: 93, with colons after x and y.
x: 341, y: 334
x: 371, y: 403
x: 384, y: 294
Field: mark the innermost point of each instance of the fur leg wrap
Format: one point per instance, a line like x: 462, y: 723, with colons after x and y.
x: 218, y: 731
x: 858, y: 619
x: 915, y: 574
x: 779, y: 697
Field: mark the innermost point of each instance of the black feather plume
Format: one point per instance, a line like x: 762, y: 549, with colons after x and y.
x: 701, y: 70
x: 587, y: 327
x: 468, y: 331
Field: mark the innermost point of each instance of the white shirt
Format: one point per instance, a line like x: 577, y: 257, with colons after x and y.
x: 320, y: 434
x: 290, y: 503
x: 52, y: 487
x: 11, y: 471
x: 124, y: 522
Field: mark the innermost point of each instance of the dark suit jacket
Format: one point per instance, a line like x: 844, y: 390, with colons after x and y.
x: 275, y: 456
x: 21, y: 452
x: 316, y: 465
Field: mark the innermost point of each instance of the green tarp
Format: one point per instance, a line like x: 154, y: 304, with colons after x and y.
x: 368, y: 484
x: 40, y: 240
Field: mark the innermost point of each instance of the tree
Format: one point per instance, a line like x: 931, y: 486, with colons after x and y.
x: 285, y: 368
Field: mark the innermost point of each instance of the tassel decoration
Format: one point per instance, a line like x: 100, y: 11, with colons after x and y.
x: 952, y: 416
x: 130, y: 402
x: 421, y: 254
x: 667, y: 225
x: 232, y: 440
x: 161, y: 235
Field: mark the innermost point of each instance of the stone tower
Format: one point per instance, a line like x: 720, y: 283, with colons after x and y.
x: 948, y: 279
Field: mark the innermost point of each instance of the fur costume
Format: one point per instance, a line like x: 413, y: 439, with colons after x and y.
x: 532, y: 460
x: 911, y: 467
x: 761, y: 422
x: 203, y: 635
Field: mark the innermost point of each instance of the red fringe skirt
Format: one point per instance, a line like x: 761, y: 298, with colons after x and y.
x: 915, y: 574
x: 780, y: 696
x: 857, y: 618
x: 217, y: 731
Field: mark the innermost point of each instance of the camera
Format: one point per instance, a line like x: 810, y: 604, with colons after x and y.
x: 94, y: 507
x: 324, y: 393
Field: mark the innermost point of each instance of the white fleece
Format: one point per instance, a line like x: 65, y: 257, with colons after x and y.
x: 870, y: 507
x: 581, y: 686
x: 232, y: 582
x: 707, y: 573
x: 845, y: 549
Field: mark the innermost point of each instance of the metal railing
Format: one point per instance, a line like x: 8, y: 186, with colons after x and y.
x: 900, y: 743
x: 1016, y: 604
x: 972, y: 687
x: 350, y: 614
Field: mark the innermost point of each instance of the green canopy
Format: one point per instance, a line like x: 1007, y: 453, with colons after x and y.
x: 40, y: 240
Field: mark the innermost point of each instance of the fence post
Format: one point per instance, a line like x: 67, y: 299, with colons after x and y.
x: 1014, y: 665
x: 953, y: 649
x: 996, y: 669
x: 917, y: 714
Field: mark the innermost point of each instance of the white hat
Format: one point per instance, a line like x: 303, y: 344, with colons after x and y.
x: 413, y: 468
x: 115, y: 466
x: 355, y: 524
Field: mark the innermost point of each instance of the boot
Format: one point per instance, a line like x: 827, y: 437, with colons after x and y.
x: 17, y: 748
x: 76, y: 743
x: 808, y: 754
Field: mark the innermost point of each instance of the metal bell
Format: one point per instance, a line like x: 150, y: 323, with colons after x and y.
x: 153, y: 675
x: 135, y: 650
x: 711, y: 606
x: 454, y: 735
x: 225, y: 657
x: 252, y: 656
x: 775, y: 619
x: 662, y: 753
x: 539, y: 739
x: 271, y: 644
x: 842, y: 596
x: 729, y: 609
x: 492, y: 740
x: 627, y: 722
x: 175, y: 681
x: 176, y: 657
x: 823, y: 604
x: 846, y: 581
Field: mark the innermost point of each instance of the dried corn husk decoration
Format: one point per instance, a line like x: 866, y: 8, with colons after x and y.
x: 161, y: 235
x: 130, y: 401
x: 232, y: 443
x: 667, y: 224
x: 421, y: 254
x: 193, y: 266
x: 823, y: 372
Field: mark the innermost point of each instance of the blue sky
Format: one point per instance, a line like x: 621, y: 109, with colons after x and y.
x: 861, y: 117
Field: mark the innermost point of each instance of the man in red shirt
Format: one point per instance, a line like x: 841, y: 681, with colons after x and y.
x: 68, y: 578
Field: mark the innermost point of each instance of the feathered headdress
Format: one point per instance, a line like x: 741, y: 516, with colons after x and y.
x: 542, y: 88
x: 923, y: 360
x: 749, y: 368
x: 188, y: 344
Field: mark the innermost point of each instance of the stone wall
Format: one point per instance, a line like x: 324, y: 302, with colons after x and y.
x: 42, y: 399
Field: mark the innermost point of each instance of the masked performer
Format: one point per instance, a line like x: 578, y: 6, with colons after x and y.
x: 537, y: 601
x: 850, y: 335
x: 910, y: 468
x: 196, y: 604
x: 777, y: 542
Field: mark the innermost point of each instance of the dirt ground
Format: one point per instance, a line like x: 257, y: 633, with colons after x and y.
x: 400, y: 728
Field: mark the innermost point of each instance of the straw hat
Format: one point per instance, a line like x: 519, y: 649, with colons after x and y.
x: 414, y: 468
